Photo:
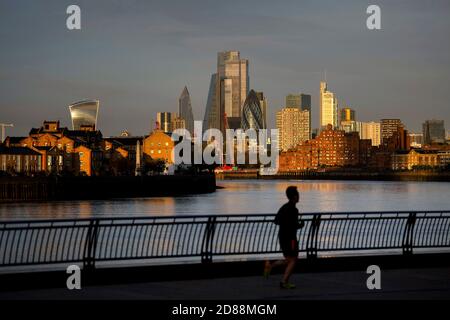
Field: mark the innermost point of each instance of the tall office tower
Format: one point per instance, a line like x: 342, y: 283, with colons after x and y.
x: 252, y: 116
x: 164, y: 120
x: 301, y: 101
x: 179, y: 123
x: 371, y: 130
x: 305, y: 102
x: 347, y: 114
x: 328, y: 107
x: 185, y: 110
x: 433, y: 131
x: 84, y: 114
x: 264, y: 105
x: 389, y: 127
x: 232, y: 86
x: 293, y: 101
x: 293, y: 127
x: 212, y: 117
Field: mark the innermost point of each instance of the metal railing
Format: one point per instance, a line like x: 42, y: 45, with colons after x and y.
x: 88, y: 241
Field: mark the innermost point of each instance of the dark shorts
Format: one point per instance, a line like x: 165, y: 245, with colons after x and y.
x: 289, y: 247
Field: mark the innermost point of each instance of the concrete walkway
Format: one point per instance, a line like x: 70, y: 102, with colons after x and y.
x: 420, y: 283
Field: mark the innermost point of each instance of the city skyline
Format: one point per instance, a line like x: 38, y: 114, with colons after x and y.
x: 377, y: 80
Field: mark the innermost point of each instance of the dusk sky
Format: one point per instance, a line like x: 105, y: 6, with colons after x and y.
x: 136, y: 57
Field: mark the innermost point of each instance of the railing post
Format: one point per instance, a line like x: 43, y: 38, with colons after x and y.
x: 90, y: 245
x: 207, y: 242
x: 311, y: 242
x: 407, y: 244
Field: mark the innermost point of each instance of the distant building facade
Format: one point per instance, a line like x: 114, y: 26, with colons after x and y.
x: 185, y: 110
x: 264, y: 107
x: 347, y: 114
x: 293, y: 126
x: 84, y: 114
x: 21, y: 160
x: 158, y: 145
x: 433, y: 131
x: 415, y: 158
x: 228, y: 89
x: 416, y: 140
x: 328, y: 107
x: 164, y: 120
x: 331, y: 148
x: 252, y: 116
x: 372, y: 131
x: 389, y: 127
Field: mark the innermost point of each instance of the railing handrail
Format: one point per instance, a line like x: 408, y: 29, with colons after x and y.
x: 87, y: 240
x: 206, y: 216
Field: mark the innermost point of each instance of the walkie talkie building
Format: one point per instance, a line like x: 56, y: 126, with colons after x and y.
x: 84, y: 113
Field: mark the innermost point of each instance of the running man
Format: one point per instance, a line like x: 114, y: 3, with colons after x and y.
x: 287, y: 219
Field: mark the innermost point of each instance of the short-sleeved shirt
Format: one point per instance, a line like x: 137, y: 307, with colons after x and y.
x: 288, y: 221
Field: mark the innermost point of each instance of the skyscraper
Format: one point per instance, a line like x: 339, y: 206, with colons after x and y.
x: 293, y: 101
x: 212, y: 117
x: 433, y: 131
x: 178, y: 123
x: 371, y: 130
x: 232, y: 86
x: 305, y: 102
x: 264, y: 105
x: 293, y: 127
x: 328, y: 107
x: 252, y: 117
x: 301, y: 101
x: 347, y: 114
x: 164, y: 120
x: 185, y: 110
x: 389, y: 127
x: 84, y: 114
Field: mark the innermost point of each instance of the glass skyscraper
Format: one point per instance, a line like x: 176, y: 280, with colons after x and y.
x: 228, y: 90
x: 84, y: 114
x: 433, y: 131
x: 252, y: 116
x: 185, y: 110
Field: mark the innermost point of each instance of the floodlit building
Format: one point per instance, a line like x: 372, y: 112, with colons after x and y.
x: 328, y: 107
x: 164, y: 120
x: 372, y: 131
x: 293, y: 127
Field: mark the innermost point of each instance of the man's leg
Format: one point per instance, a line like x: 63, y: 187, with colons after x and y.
x: 291, y: 261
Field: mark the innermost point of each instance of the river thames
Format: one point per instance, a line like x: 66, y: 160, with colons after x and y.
x: 252, y: 196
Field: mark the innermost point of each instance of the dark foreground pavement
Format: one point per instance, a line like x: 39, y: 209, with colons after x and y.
x: 414, y: 283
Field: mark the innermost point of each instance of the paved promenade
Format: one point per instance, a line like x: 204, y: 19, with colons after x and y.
x: 418, y: 283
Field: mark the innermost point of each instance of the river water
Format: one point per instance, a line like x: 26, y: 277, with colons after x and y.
x: 252, y: 197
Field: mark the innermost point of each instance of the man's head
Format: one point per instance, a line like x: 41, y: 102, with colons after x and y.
x: 292, y: 194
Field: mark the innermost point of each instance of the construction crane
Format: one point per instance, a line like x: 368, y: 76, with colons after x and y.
x: 3, y: 125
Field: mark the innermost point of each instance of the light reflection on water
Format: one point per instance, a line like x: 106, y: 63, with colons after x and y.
x: 253, y: 196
